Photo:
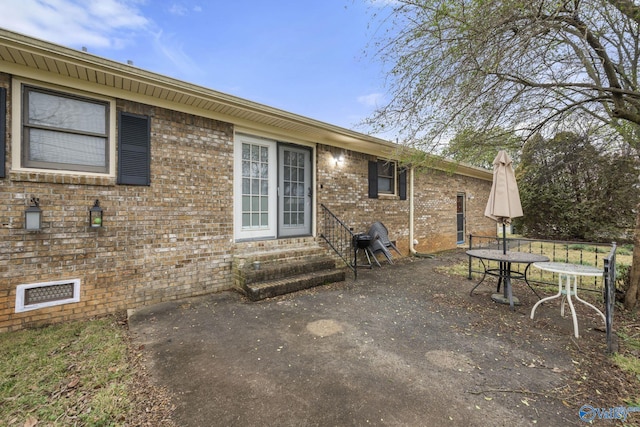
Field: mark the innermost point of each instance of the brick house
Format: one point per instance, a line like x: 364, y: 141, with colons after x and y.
x: 187, y: 179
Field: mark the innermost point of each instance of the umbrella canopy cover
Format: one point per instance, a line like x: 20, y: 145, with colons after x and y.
x: 504, y: 199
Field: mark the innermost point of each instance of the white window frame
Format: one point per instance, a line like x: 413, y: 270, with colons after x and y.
x: 17, y: 143
x: 271, y: 231
x: 20, y: 295
x: 393, y: 177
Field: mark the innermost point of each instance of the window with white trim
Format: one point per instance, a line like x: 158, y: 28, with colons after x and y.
x: 62, y: 131
x: 386, y: 177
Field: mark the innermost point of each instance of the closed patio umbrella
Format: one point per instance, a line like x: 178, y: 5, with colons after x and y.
x: 504, y: 198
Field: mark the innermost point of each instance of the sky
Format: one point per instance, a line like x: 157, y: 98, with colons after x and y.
x: 303, y: 56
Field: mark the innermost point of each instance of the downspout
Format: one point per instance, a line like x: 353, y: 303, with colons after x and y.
x: 411, y: 207
x: 412, y: 250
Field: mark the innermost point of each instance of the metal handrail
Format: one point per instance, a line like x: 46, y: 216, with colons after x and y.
x: 339, y: 237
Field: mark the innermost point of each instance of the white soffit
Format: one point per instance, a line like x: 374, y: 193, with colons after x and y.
x: 22, y: 53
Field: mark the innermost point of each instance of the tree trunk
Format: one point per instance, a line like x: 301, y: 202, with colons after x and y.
x: 633, y: 293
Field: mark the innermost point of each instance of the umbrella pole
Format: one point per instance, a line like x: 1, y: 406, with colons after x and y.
x: 504, y: 238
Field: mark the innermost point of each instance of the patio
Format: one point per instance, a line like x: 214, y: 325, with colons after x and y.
x: 405, y: 344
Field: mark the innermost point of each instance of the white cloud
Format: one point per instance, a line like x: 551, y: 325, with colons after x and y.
x: 173, y: 50
x: 371, y: 100
x: 178, y: 9
x: 98, y: 23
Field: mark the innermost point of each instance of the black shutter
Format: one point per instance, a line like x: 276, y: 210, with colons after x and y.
x: 134, y: 152
x: 3, y: 130
x: 402, y: 183
x: 373, y: 179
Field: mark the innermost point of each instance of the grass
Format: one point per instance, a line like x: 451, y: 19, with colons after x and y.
x: 627, y: 359
x: 75, y: 373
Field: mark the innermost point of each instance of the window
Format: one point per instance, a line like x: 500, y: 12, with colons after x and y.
x: 255, y: 186
x: 64, y: 131
x: 386, y: 177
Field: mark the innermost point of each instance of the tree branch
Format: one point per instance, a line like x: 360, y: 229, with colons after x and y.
x: 627, y: 8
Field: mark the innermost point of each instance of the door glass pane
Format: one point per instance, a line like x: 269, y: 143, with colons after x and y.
x: 255, y: 186
x: 293, y: 188
x: 460, y: 217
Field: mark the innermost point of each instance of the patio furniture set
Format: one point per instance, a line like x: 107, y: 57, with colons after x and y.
x: 567, y: 278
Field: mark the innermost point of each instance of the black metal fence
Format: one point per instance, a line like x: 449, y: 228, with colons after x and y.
x: 586, y: 253
x: 610, y: 294
x: 601, y: 255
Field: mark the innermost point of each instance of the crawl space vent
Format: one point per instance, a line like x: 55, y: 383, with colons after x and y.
x: 46, y: 294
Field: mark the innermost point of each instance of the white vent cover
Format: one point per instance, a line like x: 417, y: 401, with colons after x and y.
x: 33, y: 296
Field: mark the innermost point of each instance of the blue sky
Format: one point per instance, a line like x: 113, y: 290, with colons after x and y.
x: 303, y: 56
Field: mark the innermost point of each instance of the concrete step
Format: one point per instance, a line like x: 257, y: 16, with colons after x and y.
x: 272, y: 270
x: 269, y: 256
x: 271, y: 288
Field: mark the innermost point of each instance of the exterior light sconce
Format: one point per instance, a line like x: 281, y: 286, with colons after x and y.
x: 95, y: 215
x: 33, y: 216
x: 339, y: 159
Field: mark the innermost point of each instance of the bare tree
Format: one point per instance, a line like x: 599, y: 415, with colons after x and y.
x: 525, y: 65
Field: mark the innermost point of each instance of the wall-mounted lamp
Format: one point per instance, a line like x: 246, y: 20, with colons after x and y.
x: 95, y: 215
x: 339, y: 159
x: 470, y: 197
x: 33, y: 216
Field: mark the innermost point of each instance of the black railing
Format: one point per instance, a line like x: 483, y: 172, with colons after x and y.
x: 587, y: 253
x: 339, y: 237
x: 610, y: 294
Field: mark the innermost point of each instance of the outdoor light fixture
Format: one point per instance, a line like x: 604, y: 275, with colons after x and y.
x: 339, y: 158
x: 33, y: 216
x: 95, y: 215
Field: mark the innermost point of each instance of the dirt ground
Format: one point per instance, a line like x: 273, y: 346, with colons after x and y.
x: 404, y: 344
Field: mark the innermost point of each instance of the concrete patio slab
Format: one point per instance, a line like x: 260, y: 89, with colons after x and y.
x: 404, y: 345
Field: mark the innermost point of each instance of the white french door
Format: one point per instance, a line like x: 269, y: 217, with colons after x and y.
x: 272, y: 189
x: 294, y: 191
x: 255, y: 188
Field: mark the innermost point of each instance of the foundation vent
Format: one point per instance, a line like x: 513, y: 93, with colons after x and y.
x: 33, y: 296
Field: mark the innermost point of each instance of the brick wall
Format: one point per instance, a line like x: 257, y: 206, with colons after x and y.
x: 174, y: 239
x: 435, y: 196
x: 344, y: 190
x: 167, y: 241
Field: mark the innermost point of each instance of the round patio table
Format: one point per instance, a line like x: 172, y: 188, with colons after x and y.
x: 504, y: 272
x: 568, y: 275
